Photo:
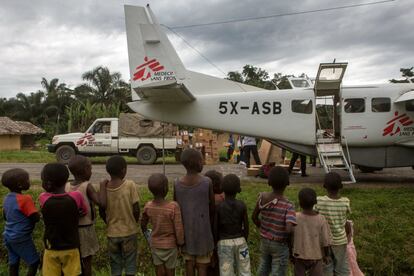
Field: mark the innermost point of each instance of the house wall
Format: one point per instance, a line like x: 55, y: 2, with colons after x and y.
x: 9, y: 142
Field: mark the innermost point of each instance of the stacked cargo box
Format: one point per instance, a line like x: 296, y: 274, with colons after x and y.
x: 206, y: 141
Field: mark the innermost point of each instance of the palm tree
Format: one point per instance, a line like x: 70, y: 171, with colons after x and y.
x: 58, y: 97
x: 105, y: 86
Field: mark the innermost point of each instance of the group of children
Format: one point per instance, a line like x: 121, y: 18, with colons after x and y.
x: 205, y: 222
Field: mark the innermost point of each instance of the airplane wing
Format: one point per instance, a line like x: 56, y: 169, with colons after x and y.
x: 407, y: 96
x: 157, y: 73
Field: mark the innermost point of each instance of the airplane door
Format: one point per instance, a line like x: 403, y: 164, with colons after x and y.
x: 328, y: 94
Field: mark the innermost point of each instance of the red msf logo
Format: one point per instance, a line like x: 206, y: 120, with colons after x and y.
x: 85, y: 139
x: 394, y: 126
x: 144, y: 70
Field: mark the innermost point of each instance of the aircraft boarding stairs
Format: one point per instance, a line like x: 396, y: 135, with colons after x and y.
x: 332, y: 157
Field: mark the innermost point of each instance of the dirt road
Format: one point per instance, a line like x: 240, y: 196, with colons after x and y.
x: 140, y: 173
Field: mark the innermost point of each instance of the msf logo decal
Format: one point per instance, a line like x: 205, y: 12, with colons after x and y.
x: 399, y: 125
x: 153, y: 70
x: 85, y: 140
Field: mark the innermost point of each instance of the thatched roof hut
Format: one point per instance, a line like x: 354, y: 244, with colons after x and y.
x: 15, y: 134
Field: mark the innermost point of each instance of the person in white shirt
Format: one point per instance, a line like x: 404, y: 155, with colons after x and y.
x: 250, y: 145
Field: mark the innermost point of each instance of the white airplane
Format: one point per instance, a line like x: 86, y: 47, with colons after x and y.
x: 372, y: 126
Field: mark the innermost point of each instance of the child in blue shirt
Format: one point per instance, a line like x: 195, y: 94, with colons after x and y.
x: 21, y: 216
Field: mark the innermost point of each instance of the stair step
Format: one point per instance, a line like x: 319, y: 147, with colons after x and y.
x: 328, y: 154
x: 334, y: 162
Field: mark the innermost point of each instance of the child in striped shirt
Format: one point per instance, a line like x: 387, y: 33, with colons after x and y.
x: 335, y: 210
x: 276, y: 222
x: 167, y: 227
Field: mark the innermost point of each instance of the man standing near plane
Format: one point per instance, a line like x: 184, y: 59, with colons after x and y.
x: 250, y: 145
x: 295, y: 156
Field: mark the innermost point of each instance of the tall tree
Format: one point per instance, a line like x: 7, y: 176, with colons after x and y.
x: 104, y: 86
x: 407, y: 73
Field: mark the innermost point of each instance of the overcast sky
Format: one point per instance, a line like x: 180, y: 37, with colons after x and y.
x: 63, y: 39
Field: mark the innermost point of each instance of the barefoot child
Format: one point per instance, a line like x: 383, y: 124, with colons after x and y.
x: 194, y: 194
x: 232, y: 228
x: 167, y: 227
x: 121, y: 215
x: 276, y: 222
x: 312, y: 237
x: 335, y: 210
x: 61, y: 212
x: 81, y: 168
x: 20, y: 215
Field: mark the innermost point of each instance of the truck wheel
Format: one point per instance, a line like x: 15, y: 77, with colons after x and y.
x: 146, y: 155
x: 64, y: 154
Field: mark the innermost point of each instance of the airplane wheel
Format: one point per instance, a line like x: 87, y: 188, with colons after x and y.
x: 64, y: 154
x: 146, y: 155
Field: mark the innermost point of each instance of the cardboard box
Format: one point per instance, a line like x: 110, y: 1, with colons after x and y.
x: 252, y: 171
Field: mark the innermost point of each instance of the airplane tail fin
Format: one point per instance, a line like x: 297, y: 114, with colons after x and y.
x: 153, y: 62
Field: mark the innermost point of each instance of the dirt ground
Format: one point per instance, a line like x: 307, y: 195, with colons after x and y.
x: 140, y: 173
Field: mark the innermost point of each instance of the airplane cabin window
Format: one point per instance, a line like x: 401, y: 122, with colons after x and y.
x: 356, y: 105
x: 381, y: 104
x: 302, y: 106
x: 409, y: 105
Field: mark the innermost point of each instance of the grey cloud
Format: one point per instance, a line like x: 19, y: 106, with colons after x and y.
x: 33, y: 42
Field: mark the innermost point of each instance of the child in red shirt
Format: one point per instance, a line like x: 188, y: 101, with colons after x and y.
x: 21, y: 216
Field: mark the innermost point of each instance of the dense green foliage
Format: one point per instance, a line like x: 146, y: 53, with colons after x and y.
x: 59, y: 109
x: 382, y: 217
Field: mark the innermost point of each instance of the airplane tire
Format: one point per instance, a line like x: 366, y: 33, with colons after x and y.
x: 146, y: 155
x: 64, y: 154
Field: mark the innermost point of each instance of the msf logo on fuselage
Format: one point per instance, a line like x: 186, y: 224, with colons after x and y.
x: 399, y: 125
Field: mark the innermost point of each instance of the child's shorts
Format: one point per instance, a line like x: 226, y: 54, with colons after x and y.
x: 56, y: 262
x: 199, y: 259
x: 167, y: 257
x: 24, y: 250
x: 123, y: 254
x: 89, y: 244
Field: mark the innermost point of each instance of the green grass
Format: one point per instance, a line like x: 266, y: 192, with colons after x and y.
x: 43, y: 156
x: 383, y: 221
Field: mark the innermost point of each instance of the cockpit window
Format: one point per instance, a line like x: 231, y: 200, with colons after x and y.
x: 354, y: 105
x: 302, y: 106
x: 381, y: 104
x: 409, y: 105
x: 300, y: 83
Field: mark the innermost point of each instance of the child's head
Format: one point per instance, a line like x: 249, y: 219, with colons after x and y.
x: 192, y: 160
x: 16, y: 180
x: 217, y: 179
x: 278, y: 178
x: 332, y: 182
x: 81, y: 167
x: 116, y: 166
x: 231, y: 185
x: 307, y: 198
x: 158, y: 185
x: 54, y: 176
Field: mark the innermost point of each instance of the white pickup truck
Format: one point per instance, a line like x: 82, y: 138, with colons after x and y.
x: 129, y: 135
